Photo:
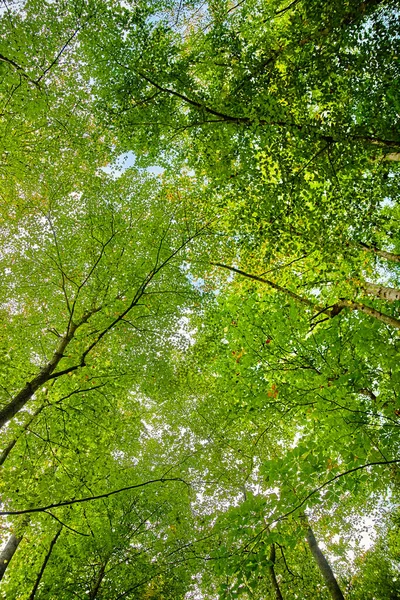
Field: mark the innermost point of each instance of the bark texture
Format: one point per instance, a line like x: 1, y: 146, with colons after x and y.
x: 383, y: 253
x: 8, y: 552
x: 383, y: 292
x: 275, y: 584
x: 368, y: 310
x: 323, y: 565
x: 19, y: 401
x: 394, y: 156
x: 45, y: 374
x: 96, y: 586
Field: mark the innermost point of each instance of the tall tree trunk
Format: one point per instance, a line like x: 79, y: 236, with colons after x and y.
x: 380, y: 291
x: 330, y: 311
x: 24, y: 395
x: 96, y: 586
x: 11, y: 443
x: 275, y: 584
x: 44, y: 565
x: 323, y: 565
x: 8, y: 552
x: 382, y: 253
x: 368, y: 310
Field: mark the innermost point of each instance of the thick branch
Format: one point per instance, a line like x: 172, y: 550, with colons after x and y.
x: 19, y: 401
x: 47, y: 372
x: 377, y: 141
x: 380, y: 291
x: 368, y: 310
x: 240, y: 120
x: 331, y: 312
x: 393, y: 156
x: 95, y: 589
x: 18, y: 68
x: 279, y: 288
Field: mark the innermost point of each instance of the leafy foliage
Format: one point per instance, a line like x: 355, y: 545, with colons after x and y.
x: 199, y: 372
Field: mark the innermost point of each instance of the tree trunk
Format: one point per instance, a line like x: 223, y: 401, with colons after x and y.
x: 368, y: 310
x: 11, y: 444
x: 383, y: 253
x: 46, y: 560
x: 24, y: 395
x: 95, y: 589
x: 330, y: 311
x: 394, y: 156
x: 8, y: 552
x: 19, y: 401
x: 379, y: 291
x: 275, y: 585
x: 323, y: 566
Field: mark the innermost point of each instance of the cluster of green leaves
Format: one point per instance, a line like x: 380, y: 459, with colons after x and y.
x: 198, y: 367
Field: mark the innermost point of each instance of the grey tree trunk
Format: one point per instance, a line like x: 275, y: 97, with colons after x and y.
x: 382, y: 253
x: 380, y: 291
x: 8, y: 552
x: 324, y: 566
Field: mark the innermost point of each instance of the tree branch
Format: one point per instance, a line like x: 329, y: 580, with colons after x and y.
x: 277, y: 287
x: 40, y: 509
x: 20, y: 70
x: 19, y: 401
x: 331, y: 480
x: 46, y: 560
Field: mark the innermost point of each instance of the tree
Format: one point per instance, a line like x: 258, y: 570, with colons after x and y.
x: 194, y: 363
x: 292, y: 158
x: 81, y: 258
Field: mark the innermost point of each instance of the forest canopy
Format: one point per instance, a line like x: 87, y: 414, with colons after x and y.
x: 199, y: 299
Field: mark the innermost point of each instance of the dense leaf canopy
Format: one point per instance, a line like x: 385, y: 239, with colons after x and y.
x: 199, y: 299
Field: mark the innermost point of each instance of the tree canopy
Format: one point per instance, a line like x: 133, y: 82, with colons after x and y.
x: 199, y: 299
